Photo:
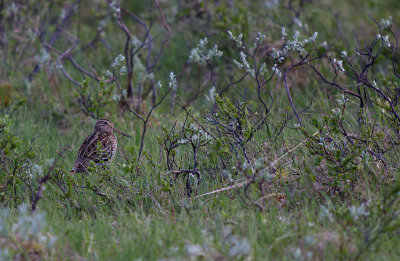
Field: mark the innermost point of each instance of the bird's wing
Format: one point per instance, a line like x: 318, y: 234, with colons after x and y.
x: 112, y: 149
x: 91, y: 149
x: 87, y: 145
x: 108, y: 145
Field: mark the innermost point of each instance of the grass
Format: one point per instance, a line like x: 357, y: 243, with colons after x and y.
x: 178, y: 227
x: 146, y: 213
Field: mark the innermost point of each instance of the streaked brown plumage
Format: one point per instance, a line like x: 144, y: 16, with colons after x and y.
x: 100, y: 147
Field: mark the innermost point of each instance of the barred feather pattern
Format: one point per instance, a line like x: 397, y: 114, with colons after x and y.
x: 100, y: 147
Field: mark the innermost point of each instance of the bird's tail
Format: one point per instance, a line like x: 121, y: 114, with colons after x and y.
x: 73, y: 170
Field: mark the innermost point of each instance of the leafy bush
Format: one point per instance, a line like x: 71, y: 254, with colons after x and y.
x: 257, y: 129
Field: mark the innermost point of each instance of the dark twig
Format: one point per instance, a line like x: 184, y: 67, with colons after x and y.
x: 45, y: 179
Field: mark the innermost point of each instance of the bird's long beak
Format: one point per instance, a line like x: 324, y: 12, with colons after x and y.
x: 122, y: 133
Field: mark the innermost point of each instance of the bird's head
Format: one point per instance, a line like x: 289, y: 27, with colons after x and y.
x: 105, y: 125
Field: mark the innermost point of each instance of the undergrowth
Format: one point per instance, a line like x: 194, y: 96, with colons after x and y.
x: 257, y: 133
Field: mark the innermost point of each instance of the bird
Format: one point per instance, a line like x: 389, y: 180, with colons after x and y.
x: 100, y: 147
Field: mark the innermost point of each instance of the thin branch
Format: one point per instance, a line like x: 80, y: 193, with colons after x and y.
x: 241, y: 184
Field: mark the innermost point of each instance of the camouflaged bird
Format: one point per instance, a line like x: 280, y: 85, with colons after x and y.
x: 100, y: 147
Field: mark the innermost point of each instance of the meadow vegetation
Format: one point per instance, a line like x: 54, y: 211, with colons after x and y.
x: 261, y: 130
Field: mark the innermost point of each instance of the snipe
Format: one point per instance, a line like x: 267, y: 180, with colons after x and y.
x: 100, y: 147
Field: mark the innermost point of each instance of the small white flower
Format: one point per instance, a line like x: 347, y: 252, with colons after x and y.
x: 357, y: 212
x: 202, y: 55
x: 237, y: 39
x: 283, y: 32
x: 117, y: 60
x: 116, y: 97
x: 237, y: 64
x: 338, y: 65
x: 298, y: 22
x: 230, y: 35
x: 260, y: 37
x: 63, y: 14
x: 108, y: 74
x: 211, y: 95
x: 297, y: 253
x: 263, y: 69
x: 43, y: 57
x: 173, y: 84
x: 386, y: 41
x: 313, y: 38
x: 276, y: 70
x: 245, y: 64
x: 122, y: 71
x: 159, y: 85
x: 37, y: 170
x: 136, y: 42
x: 296, y: 35
x: 386, y: 23
x: 115, y: 7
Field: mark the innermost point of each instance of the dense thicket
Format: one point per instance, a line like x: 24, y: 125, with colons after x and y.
x: 261, y: 129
